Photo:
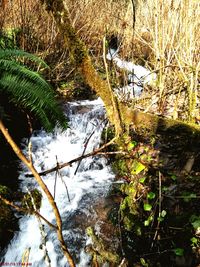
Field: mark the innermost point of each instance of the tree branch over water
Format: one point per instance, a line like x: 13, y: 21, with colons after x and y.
x: 78, y: 159
x: 36, y: 213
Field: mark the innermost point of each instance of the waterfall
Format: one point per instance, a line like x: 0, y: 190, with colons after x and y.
x: 91, y: 182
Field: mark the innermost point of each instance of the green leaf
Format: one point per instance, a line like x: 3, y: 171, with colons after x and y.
x: 143, y: 262
x: 196, y: 224
x: 137, y: 167
x: 163, y: 213
x: 187, y: 196
x: 165, y: 188
x: 160, y: 219
x: 13, y: 54
x: 179, y: 251
x: 27, y: 90
x: 194, y: 240
x: 146, y: 223
x: 131, y: 145
x: 147, y: 207
x: 151, y: 195
x: 173, y: 177
x: 142, y: 180
x: 194, y: 218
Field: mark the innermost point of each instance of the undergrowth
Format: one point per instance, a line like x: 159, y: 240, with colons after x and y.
x: 161, y: 35
x: 159, y: 213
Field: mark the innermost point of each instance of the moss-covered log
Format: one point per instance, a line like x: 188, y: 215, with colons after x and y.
x: 80, y: 57
x: 150, y: 124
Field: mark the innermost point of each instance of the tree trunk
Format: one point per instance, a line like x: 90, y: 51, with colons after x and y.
x: 79, y: 55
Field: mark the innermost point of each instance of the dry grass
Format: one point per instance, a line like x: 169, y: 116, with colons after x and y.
x: 174, y: 31
x: 166, y: 38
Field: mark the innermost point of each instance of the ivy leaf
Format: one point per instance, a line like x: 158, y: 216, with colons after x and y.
x: 173, y: 177
x: 179, y: 251
x: 137, y: 167
x: 160, y: 219
x: 147, y: 207
x: 151, y: 195
x: 148, y: 221
x: 143, y: 262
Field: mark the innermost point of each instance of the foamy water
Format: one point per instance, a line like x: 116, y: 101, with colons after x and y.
x: 91, y: 182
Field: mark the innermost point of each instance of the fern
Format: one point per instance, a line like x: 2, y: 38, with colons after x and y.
x: 28, y: 90
x: 14, y: 54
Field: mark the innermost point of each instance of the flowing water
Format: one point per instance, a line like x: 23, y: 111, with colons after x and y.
x: 91, y: 182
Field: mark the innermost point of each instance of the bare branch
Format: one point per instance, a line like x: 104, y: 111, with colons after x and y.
x: 69, y: 163
x: 35, y: 212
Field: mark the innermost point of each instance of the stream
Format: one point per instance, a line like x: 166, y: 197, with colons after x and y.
x: 86, y: 186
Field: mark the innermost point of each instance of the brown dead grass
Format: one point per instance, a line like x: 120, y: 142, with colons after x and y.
x: 166, y: 38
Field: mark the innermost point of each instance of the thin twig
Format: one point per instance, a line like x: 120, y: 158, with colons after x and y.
x: 159, y: 207
x: 120, y: 230
x: 86, y: 144
x: 85, y: 147
x: 18, y: 208
x: 64, y: 185
x: 42, y: 232
x: 59, y: 173
x: 54, y: 191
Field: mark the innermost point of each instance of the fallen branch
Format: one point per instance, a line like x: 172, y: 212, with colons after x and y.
x: 86, y: 144
x: 69, y: 163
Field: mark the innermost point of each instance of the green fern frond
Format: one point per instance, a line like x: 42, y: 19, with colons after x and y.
x: 28, y: 90
x: 13, y: 54
x: 30, y: 95
x: 23, y: 72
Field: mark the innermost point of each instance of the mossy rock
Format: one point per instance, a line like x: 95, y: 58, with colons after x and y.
x: 97, y: 248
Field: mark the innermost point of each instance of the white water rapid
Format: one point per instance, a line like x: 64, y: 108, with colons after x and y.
x: 91, y: 182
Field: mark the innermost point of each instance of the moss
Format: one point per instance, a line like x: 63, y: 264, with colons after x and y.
x: 108, y: 134
x: 98, y: 249
x: 4, y: 191
x: 128, y: 223
x: 120, y: 168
